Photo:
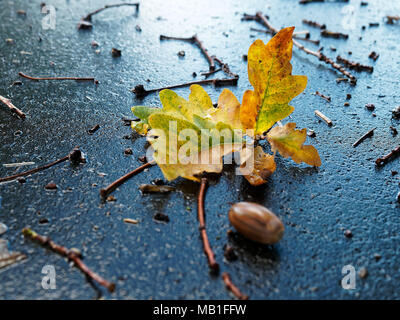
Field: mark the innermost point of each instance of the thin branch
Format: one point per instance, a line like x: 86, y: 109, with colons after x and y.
x: 323, y: 96
x: 112, y: 186
x: 230, y: 286
x: 388, y: 157
x: 352, y: 65
x: 323, y: 117
x: 370, y: 133
x: 195, y: 40
x: 141, y: 92
x: 201, y: 216
x: 264, y: 21
x: 88, y: 17
x: 13, y: 108
x: 70, y: 254
x: 314, y: 24
x: 57, y: 78
x: 335, y: 35
x: 75, y: 156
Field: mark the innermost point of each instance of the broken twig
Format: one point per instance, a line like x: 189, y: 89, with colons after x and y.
x: 195, y: 40
x: 112, y: 186
x: 230, y: 286
x: 323, y: 96
x: 354, y: 65
x: 388, y: 157
x: 323, y: 117
x: 71, y: 255
x: 141, y: 92
x: 56, y: 78
x: 13, y: 108
x: 201, y: 216
x: 370, y: 133
x: 75, y: 156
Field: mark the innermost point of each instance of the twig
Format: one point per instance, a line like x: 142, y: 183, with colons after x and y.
x: 75, y: 156
x: 71, y: 255
x: 141, y: 92
x: 225, y: 68
x: 57, y: 78
x: 209, y: 73
x: 13, y: 108
x: 323, y: 96
x: 112, y: 186
x: 88, y: 17
x: 311, y: 1
x: 370, y: 133
x: 264, y: 21
x: 392, y: 19
x: 314, y: 24
x: 323, y: 117
x: 195, y: 40
x: 335, y: 35
x: 386, y: 158
x: 230, y: 286
x: 316, y: 42
x: 354, y: 65
x: 201, y: 216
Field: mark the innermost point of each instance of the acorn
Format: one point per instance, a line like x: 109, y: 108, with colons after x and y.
x: 256, y: 222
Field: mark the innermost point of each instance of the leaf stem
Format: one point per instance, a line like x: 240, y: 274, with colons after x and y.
x: 202, y: 227
x: 380, y: 162
x: 13, y: 108
x: 112, y: 186
x: 71, y: 255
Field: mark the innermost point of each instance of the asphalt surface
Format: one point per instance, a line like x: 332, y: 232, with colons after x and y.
x: 153, y: 260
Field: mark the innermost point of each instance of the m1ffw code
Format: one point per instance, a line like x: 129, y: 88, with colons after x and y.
x: 221, y: 309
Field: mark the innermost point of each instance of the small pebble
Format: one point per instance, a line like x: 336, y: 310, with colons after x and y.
x: 346, y: 104
x: 348, y: 234
x: 138, y: 28
x: 128, y: 151
x: 181, y: 53
x: 370, y: 106
x: 43, y: 221
x: 363, y: 273
x: 21, y: 180
x: 111, y: 198
x: 396, y: 113
x: 50, y: 186
x: 116, y: 53
x: 348, y: 96
x: 377, y: 256
x: 230, y: 254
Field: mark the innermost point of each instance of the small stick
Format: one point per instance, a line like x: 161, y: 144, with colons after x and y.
x: 323, y: 117
x: 230, y: 286
x: 70, y: 254
x: 354, y: 65
x: 18, y: 164
x: 318, y: 54
x: 201, y: 216
x: 75, y: 156
x: 336, y: 35
x: 131, y: 221
x: 194, y: 39
x: 386, y: 158
x: 112, y: 186
x: 88, y: 17
x: 370, y: 133
x: 316, y: 42
x: 141, y: 92
x: 314, y: 24
x: 209, y: 73
x: 57, y: 78
x: 391, y: 19
x: 13, y: 108
x: 323, y: 96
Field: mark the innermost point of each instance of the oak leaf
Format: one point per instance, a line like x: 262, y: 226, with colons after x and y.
x: 270, y: 74
x: 289, y: 142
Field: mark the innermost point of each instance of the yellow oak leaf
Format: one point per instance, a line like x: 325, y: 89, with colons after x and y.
x: 270, y: 73
x: 289, y: 142
x: 258, y: 167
